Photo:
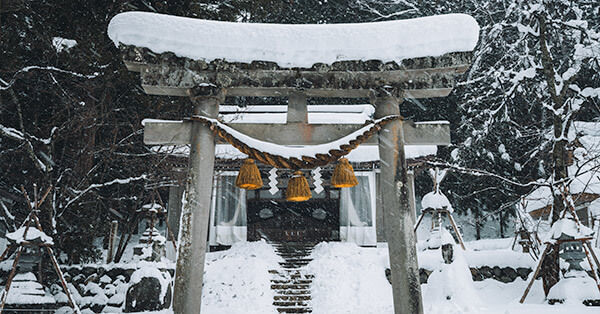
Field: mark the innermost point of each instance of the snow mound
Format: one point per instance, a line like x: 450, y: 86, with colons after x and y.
x: 436, y: 201
x: 238, y: 280
x: 349, y: 279
x: 453, y: 283
x: 438, y: 238
x: 300, y: 45
x: 575, y: 290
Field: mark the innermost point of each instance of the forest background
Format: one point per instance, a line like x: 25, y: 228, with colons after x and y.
x: 70, y: 112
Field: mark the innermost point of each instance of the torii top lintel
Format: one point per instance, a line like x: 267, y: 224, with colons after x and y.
x: 416, y: 58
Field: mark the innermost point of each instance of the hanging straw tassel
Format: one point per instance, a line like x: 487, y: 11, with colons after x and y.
x: 343, y: 175
x: 298, y: 189
x: 249, y: 177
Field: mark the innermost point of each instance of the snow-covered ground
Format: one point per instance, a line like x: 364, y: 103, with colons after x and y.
x: 238, y: 280
x: 351, y: 279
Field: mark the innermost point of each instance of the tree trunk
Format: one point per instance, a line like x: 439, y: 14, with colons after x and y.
x: 501, y: 224
x: 478, y: 225
x: 550, y: 266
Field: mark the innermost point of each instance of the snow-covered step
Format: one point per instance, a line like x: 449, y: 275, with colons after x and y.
x: 290, y: 304
x: 291, y: 284
x: 291, y: 292
x: 302, y: 297
x: 294, y: 310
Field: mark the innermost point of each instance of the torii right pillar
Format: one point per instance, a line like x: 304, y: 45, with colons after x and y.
x: 398, y: 220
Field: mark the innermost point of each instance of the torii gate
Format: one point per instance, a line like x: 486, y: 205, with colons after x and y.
x: 206, y: 81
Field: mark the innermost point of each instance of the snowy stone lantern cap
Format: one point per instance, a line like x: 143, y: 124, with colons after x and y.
x: 436, y: 200
x: 152, y: 207
x: 34, y: 236
x: 567, y: 229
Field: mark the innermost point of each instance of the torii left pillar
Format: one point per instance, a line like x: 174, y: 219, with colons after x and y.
x: 398, y: 220
x: 193, y: 229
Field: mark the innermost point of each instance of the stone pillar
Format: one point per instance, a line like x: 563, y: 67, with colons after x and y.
x: 379, y: 222
x: 297, y: 109
x: 411, y: 195
x: 174, y: 212
x: 379, y: 226
x: 398, y: 220
x: 193, y: 229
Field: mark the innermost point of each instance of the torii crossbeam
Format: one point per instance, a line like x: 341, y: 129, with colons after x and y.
x: 186, y: 57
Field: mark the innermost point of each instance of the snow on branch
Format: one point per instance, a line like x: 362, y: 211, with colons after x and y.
x: 479, y: 173
x: 81, y: 193
x: 4, y: 85
x: 11, y: 133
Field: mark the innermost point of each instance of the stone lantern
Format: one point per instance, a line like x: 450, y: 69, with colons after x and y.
x: 151, y: 246
x: 30, y: 259
x: 572, y: 252
x: 568, y: 234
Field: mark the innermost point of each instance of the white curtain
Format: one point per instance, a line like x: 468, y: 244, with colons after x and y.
x: 229, y: 211
x: 357, y: 206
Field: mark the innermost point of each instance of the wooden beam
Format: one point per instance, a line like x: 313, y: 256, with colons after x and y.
x: 285, y: 91
x: 178, y: 133
x: 418, y: 83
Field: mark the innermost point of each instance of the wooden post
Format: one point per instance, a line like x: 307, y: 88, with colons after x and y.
x: 112, y: 237
x: 398, y: 219
x: 419, y: 221
x: 10, y: 278
x: 587, y: 254
x: 458, y: 235
x: 193, y: 229
x: 537, y: 270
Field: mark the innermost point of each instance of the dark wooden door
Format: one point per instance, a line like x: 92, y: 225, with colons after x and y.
x: 314, y: 220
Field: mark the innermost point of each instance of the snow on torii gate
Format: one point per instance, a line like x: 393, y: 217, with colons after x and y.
x: 385, y: 61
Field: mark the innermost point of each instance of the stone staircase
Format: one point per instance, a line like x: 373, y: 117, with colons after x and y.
x: 292, y: 284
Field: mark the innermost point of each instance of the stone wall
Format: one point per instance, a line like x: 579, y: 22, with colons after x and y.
x: 502, y: 274
x: 95, y: 288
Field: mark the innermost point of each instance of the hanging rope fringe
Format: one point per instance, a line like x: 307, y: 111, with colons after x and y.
x: 298, y: 189
x: 249, y: 177
x: 343, y: 175
x: 305, y: 162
